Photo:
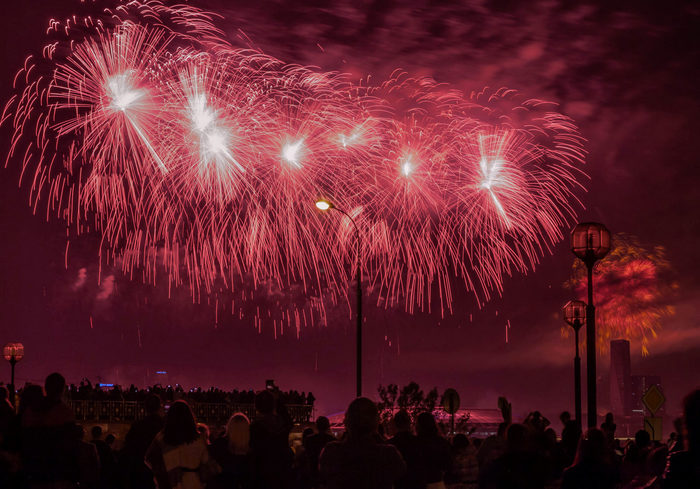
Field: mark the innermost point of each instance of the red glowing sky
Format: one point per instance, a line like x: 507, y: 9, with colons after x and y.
x: 626, y: 74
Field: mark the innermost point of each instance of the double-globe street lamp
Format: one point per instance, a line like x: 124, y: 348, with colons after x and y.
x: 590, y: 241
x: 325, y: 205
x: 13, y: 353
x: 575, y: 315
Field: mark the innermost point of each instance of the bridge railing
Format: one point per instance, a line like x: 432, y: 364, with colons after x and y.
x: 206, y: 412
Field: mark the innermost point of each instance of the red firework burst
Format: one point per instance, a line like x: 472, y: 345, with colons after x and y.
x: 191, y: 156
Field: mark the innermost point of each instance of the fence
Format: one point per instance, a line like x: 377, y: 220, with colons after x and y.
x: 205, y: 412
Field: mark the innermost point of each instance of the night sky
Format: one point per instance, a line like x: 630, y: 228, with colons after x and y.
x: 625, y: 71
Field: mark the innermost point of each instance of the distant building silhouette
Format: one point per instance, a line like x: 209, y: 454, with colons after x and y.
x: 627, y: 390
x: 620, y: 378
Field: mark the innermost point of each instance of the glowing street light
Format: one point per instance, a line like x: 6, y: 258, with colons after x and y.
x: 325, y: 205
x: 590, y: 242
x: 13, y: 353
x: 575, y: 315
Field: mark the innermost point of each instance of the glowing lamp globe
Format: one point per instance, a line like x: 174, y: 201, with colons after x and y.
x: 13, y: 352
x: 590, y: 241
x: 575, y: 313
x: 324, y: 205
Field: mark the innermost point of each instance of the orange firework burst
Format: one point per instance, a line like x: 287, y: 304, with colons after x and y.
x: 633, y: 287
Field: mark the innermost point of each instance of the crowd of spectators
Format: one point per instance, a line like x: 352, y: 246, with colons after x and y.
x: 42, y: 447
x: 86, y: 391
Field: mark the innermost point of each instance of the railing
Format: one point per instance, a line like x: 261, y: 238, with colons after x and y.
x: 206, y: 412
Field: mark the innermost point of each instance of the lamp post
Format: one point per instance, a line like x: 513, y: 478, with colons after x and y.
x: 13, y: 353
x: 325, y: 205
x: 575, y: 315
x: 590, y: 241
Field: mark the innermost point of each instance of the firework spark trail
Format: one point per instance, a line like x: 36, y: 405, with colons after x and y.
x: 194, y: 157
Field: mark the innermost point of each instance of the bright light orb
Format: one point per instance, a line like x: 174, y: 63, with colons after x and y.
x: 323, y: 205
x: 216, y: 142
x: 291, y: 152
x: 122, y: 93
x: 491, y: 173
x: 407, y: 167
x: 201, y: 115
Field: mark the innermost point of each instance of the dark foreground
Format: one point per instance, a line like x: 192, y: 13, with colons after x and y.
x: 42, y: 446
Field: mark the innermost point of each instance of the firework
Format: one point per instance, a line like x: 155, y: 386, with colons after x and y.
x: 632, y: 293
x: 201, y: 160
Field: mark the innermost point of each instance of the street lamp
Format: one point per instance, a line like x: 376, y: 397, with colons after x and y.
x: 325, y: 205
x: 575, y: 315
x: 590, y: 241
x: 13, y: 353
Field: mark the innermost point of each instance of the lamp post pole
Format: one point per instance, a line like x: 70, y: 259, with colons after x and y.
x: 590, y: 242
x: 577, y: 376
x: 591, y: 378
x: 13, y: 362
x: 325, y: 205
x: 574, y: 315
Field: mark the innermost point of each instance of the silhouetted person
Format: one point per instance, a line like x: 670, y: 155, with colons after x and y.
x: 464, y: 471
x: 315, y: 443
x: 134, y: 472
x: 360, y: 461
x: 271, y: 456
x: 564, y: 417
x: 109, y: 440
x: 53, y: 411
x: 635, y: 456
x: 31, y: 397
x: 108, y: 469
x: 593, y: 467
x: 89, y: 465
x: 492, y: 447
x: 536, y: 422
x: 433, y: 449
x: 178, y: 455
x: 302, y: 466
x: 520, y: 466
x: 49, y: 447
x: 407, y: 444
x: 608, y: 427
x: 683, y: 467
x: 676, y: 444
x: 231, y: 453
x: 570, y: 436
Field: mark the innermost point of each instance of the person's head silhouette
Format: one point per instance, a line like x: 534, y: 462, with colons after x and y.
x: 54, y: 386
x: 402, y: 421
x: 180, y: 426
x: 322, y: 424
x: 265, y: 402
x: 152, y: 404
x: 425, y: 425
x: 361, y: 418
